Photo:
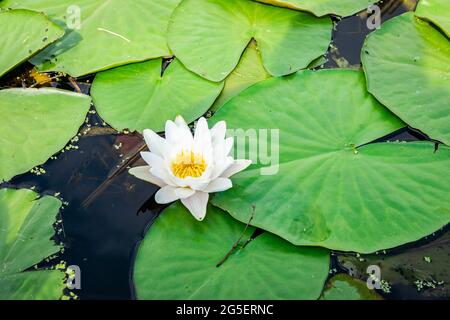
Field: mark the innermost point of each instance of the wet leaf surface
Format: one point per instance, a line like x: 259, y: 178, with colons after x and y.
x: 140, y: 96
x: 101, y: 34
x: 249, y: 71
x: 261, y: 268
x: 330, y: 185
x: 419, y: 91
x: 437, y: 12
x: 323, y: 7
x: 212, y: 45
x: 28, y: 115
x: 25, y: 240
x: 23, y: 34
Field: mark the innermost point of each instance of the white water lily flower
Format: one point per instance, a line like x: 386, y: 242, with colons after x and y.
x: 189, y: 167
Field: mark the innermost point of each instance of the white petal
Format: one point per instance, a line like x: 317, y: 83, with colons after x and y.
x: 179, y: 120
x: 202, y: 136
x: 197, y: 204
x: 221, y: 166
x: 177, y: 133
x: 201, y: 127
x: 218, y: 132
x: 162, y: 173
x: 236, y: 167
x: 171, y: 129
x: 193, y: 183
x: 143, y: 173
x: 157, y: 167
x: 154, y: 142
x: 229, y: 142
x: 219, y: 185
x: 170, y: 194
x: 151, y: 158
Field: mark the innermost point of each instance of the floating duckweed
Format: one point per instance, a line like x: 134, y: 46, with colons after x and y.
x: 86, y: 131
x: 385, y: 286
x: 62, y: 265
x: 38, y: 171
x: 421, y: 284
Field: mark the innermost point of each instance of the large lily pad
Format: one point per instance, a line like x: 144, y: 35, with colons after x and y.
x: 322, y: 7
x: 209, y: 36
x: 35, y: 124
x: 266, y: 268
x: 24, y: 33
x: 137, y: 97
x: 26, y: 229
x: 407, y: 68
x: 436, y: 11
x: 332, y: 189
x: 344, y: 287
x: 111, y: 33
x: 249, y: 71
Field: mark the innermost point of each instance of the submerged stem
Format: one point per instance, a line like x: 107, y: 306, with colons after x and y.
x: 238, y: 240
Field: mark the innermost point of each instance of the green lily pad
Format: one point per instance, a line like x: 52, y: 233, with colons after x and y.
x: 209, y: 36
x: 436, y: 11
x: 35, y: 124
x: 344, y: 287
x: 330, y: 188
x: 323, y: 7
x: 137, y: 97
x: 26, y: 229
x: 407, y: 69
x: 249, y: 71
x: 264, y: 269
x: 107, y: 34
x: 24, y: 33
x: 318, y: 63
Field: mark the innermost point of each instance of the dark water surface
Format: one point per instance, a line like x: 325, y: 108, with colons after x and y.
x: 109, y: 211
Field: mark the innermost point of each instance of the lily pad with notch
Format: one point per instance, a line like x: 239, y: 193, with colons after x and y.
x: 25, y: 240
x: 24, y: 33
x: 266, y: 267
x: 418, y: 90
x: 138, y: 97
x: 209, y: 36
x: 249, y: 71
x: 102, y: 34
x: 35, y: 124
x: 436, y: 11
x: 326, y: 185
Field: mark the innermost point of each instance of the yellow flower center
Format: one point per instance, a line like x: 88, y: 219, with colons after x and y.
x: 188, y: 164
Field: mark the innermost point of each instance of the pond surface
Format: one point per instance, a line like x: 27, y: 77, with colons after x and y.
x: 108, y: 211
